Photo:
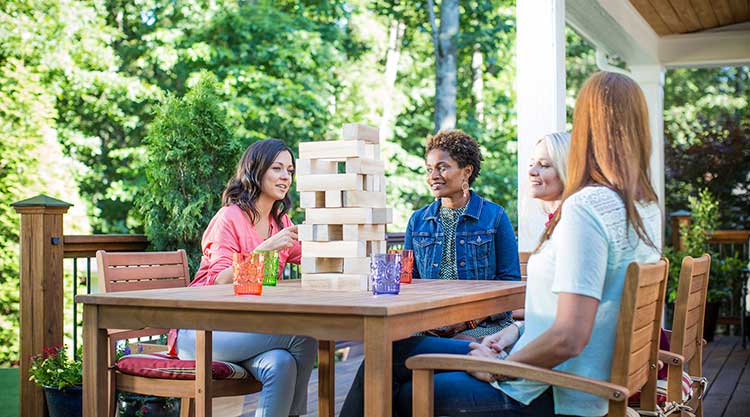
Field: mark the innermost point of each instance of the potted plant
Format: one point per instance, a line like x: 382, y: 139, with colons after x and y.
x: 724, y: 270
x: 61, y: 377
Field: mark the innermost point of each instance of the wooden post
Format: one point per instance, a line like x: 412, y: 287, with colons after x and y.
x: 41, y: 289
x: 680, y: 218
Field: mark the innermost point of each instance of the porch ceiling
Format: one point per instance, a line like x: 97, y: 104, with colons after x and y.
x: 670, y: 17
x: 666, y: 33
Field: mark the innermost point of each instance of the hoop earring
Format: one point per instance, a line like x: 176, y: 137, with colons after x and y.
x: 465, y: 188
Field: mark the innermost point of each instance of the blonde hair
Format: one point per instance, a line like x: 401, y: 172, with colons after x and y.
x: 558, y: 146
x: 610, y: 146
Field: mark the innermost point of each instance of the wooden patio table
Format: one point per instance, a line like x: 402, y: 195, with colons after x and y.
x: 289, y: 309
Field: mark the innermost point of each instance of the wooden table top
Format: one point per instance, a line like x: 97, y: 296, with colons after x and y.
x: 290, y: 297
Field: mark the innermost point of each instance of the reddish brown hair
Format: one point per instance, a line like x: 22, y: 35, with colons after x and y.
x: 610, y: 145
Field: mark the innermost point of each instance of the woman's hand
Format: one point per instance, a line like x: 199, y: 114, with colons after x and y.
x: 482, y: 351
x: 502, y: 340
x: 285, y: 239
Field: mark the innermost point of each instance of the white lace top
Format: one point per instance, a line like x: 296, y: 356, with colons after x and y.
x: 588, y: 254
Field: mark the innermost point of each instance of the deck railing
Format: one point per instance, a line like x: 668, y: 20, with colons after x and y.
x: 725, y: 243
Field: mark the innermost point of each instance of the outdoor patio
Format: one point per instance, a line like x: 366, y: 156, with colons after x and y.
x: 726, y: 365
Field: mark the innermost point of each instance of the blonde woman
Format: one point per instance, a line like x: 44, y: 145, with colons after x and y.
x: 547, y: 170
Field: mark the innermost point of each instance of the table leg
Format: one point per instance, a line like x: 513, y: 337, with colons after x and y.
x: 378, y: 368
x: 326, y: 378
x: 94, y: 364
x: 203, y: 374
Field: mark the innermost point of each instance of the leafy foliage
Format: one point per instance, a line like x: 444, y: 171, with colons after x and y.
x: 725, y: 271
x: 707, y: 135
x: 190, y: 136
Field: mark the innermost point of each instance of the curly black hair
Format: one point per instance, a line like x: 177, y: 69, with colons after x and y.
x: 460, y: 146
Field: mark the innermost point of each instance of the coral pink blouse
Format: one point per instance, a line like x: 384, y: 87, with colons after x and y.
x: 230, y: 231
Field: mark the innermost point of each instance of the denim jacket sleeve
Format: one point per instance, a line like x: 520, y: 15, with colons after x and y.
x: 506, y: 250
x: 409, y: 245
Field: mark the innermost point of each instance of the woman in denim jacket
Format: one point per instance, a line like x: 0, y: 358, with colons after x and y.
x: 461, y: 235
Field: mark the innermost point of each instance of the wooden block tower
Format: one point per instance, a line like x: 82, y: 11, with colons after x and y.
x: 342, y: 189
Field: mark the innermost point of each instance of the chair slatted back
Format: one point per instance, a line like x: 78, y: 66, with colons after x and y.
x: 690, y: 306
x: 131, y: 271
x: 523, y: 258
x: 634, y: 362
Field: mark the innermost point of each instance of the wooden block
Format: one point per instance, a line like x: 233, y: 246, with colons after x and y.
x: 375, y: 183
x: 316, y: 166
x: 323, y: 265
x: 334, y: 198
x: 312, y: 199
x: 376, y: 246
x: 364, y: 166
x: 372, y: 151
x: 320, y: 232
x: 360, y: 199
x: 334, y: 249
x: 333, y: 149
x: 356, y: 265
x: 339, y: 282
x: 359, y: 131
x: 349, y: 215
x: 327, y: 182
x: 363, y: 232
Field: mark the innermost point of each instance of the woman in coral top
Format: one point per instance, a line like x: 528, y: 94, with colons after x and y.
x: 254, y: 217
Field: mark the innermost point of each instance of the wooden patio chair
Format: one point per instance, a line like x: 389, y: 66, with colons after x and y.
x: 634, y: 362
x: 523, y: 259
x: 686, y: 340
x: 130, y: 271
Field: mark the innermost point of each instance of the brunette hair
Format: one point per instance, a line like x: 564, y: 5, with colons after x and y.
x: 460, y: 146
x: 244, y: 188
x: 610, y: 146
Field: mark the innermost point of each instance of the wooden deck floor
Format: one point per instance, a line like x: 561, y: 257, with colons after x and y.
x: 726, y: 365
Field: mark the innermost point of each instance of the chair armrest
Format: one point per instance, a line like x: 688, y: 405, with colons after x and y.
x: 671, y: 358
x: 515, y: 369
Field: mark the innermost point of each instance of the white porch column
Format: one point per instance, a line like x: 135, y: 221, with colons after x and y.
x: 651, y: 80
x: 540, y: 89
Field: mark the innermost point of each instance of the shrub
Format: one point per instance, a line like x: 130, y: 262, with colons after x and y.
x: 191, y: 154
x: 725, y: 271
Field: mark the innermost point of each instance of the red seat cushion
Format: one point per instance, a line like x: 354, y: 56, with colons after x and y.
x: 157, y: 365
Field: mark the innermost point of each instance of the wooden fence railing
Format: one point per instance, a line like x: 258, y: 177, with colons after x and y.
x: 725, y: 243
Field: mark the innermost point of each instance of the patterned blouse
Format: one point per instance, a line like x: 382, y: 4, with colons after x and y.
x: 449, y: 218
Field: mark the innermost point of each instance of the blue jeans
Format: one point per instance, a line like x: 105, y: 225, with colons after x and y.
x: 456, y: 392
x: 283, y: 365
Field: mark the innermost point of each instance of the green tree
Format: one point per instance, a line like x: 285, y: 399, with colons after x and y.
x: 33, y: 61
x: 191, y: 155
x: 707, y: 139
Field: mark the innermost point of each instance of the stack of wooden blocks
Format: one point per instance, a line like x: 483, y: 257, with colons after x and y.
x: 342, y: 189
